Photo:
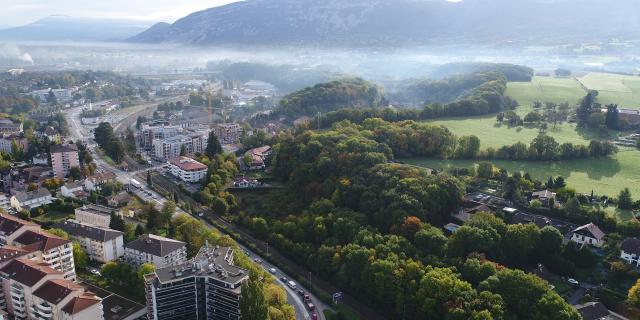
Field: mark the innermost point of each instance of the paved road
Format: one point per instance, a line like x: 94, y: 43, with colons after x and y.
x: 80, y: 132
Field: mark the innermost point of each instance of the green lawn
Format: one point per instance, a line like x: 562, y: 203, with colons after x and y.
x: 606, y: 176
x: 614, y: 88
x: 545, y: 89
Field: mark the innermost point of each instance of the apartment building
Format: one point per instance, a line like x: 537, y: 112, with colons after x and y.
x: 156, y: 130
x: 157, y: 250
x: 94, y: 215
x: 27, y: 200
x: 9, y: 127
x: 6, y: 143
x: 206, y: 287
x: 63, y: 158
x: 33, y: 290
x: 100, y: 244
x: 171, y: 147
x: 11, y: 227
x: 187, y: 169
x: 56, y: 251
x: 228, y: 133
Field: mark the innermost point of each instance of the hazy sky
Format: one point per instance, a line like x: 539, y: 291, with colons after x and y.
x: 19, y: 12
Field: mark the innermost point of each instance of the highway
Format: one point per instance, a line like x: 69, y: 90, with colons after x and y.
x: 82, y: 133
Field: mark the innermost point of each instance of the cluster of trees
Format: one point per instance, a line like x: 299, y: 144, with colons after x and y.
x: 171, y: 106
x: 108, y: 141
x: 330, y: 96
x: 12, y: 102
x: 222, y: 169
x: 370, y: 226
x: 544, y: 147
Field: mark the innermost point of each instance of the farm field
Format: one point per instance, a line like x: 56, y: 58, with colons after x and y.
x: 545, y: 89
x: 606, y: 176
x: 614, y: 88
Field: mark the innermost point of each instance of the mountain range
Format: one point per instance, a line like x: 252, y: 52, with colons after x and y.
x: 65, y: 28
x: 395, y: 22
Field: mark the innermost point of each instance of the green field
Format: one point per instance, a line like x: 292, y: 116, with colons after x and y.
x: 605, y: 176
x: 545, y: 89
x: 614, y: 88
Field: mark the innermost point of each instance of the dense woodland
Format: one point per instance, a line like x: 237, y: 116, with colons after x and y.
x: 372, y: 227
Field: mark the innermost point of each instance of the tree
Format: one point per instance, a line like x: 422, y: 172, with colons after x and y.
x: 624, y: 200
x: 584, y: 109
x: 468, y: 147
x: 612, y: 119
x: 219, y: 206
x: 561, y: 72
x: 634, y: 294
x: 430, y: 240
x: 519, y: 242
x: 485, y: 170
x: 183, y: 150
x: 117, y: 223
x: 253, y: 305
x: 139, y: 230
x: 559, y: 183
x: 80, y: 258
x: 59, y: 232
x: 167, y: 211
x: 213, y: 145
x: 550, y: 240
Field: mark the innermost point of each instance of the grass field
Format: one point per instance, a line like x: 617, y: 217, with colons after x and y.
x: 605, y: 176
x: 545, y: 89
x: 614, y: 88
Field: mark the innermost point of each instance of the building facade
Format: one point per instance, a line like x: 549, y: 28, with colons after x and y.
x: 63, y: 158
x: 157, y: 250
x: 187, y: 169
x: 94, y: 215
x: 56, y: 252
x: 28, y: 200
x: 206, y: 287
x: 100, y: 244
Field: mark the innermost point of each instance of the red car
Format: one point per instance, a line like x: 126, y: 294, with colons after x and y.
x: 314, y: 316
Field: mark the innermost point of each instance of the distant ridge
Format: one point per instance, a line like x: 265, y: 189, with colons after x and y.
x: 396, y: 22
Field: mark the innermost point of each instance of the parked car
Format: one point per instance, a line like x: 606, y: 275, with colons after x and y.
x: 94, y: 271
x: 284, y: 279
x: 573, y: 281
x: 257, y: 260
x: 314, y: 316
x: 306, y: 298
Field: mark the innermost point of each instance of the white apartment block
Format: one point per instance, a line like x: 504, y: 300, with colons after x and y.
x: 56, y: 252
x: 94, y: 215
x: 187, y: 169
x: 157, y: 250
x: 100, y: 244
x: 36, y: 291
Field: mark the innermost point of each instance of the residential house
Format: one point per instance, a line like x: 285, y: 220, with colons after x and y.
x: 36, y: 291
x: 95, y: 181
x: 589, y: 234
x: 100, y: 244
x: 630, y: 116
x: 18, y: 178
x: 56, y: 251
x: 31, y: 199
x: 73, y: 190
x: 63, y: 158
x: 120, y: 199
x: 597, y: 311
x: 259, y: 157
x: 157, y: 250
x: 544, y: 196
x: 630, y: 251
x: 171, y: 293
x: 94, y: 214
x: 187, y: 169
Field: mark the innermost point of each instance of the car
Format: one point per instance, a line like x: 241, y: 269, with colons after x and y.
x: 573, y: 281
x: 272, y: 270
x: 292, y: 285
x: 94, y: 271
x: 314, y: 316
x: 301, y: 292
x: 310, y: 306
x: 257, y: 260
x: 200, y: 214
x: 306, y: 298
x: 284, y: 279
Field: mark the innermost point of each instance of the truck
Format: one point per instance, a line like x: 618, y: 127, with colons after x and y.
x: 136, y: 184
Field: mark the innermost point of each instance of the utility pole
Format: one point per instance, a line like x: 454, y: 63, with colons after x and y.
x: 318, y: 120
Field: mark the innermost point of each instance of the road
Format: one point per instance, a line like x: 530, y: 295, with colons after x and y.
x: 81, y: 133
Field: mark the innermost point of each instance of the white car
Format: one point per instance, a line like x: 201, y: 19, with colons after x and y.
x: 292, y: 285
x: 273, y: 270
x: 573, y: 281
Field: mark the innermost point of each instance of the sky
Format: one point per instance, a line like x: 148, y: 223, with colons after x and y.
x: 21, y: 12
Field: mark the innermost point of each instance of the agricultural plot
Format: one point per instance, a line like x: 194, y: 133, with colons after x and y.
x: 614, y: 88
x: 545, y: 89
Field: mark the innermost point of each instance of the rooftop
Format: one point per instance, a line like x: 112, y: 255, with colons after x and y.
x: 40, y: 240
x: 590, y: 230
x: 80, y: 303
x: 10, y: 224
x: 30, y: 195
x: 57, y: 148
x: 187, y: 164
x: 27, y: 272
x: 54, y: 291
x: 597, y: 311
x: 155, y: 245
x: 211, y: 261
x: 96, y: 209
x: 631, y: 245
x: 83, y: 230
